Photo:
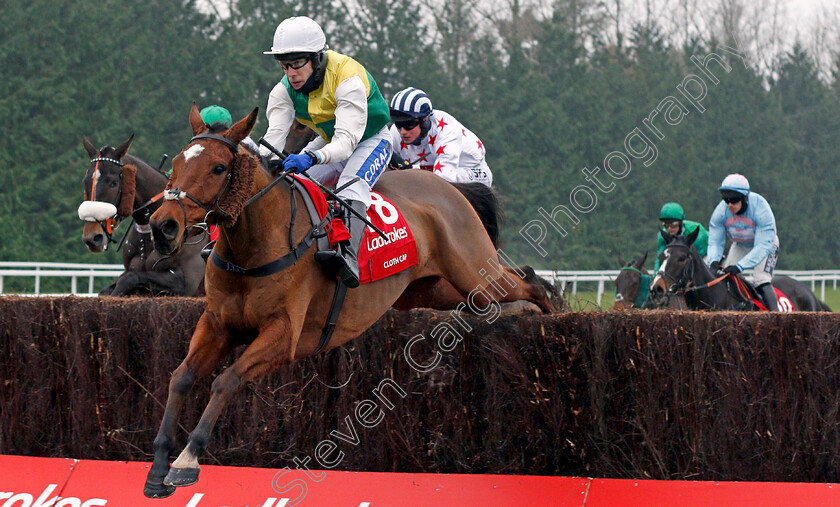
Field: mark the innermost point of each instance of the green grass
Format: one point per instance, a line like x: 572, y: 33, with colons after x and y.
x: 585, y: 300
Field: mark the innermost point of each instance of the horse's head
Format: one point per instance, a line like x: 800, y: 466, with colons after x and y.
x: 109, y: 193
x: 211, y: 179
x: 629, y: 282
x: 299, y: 136
x: 679, y: 264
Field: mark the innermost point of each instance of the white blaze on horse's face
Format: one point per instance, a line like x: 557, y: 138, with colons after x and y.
x: 660, y: 273
x: 193, y: 151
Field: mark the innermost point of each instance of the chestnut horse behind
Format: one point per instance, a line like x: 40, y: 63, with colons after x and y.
x: 280, y: 317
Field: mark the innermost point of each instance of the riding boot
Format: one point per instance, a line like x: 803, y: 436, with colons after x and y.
x: 344, y: 260
x: 768, y: 293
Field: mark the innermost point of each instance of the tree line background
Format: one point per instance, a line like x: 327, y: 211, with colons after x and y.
x: 550, y: 87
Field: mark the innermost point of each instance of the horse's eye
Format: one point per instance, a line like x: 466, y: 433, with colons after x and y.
x: 219, y: 169
x: 113, y: 184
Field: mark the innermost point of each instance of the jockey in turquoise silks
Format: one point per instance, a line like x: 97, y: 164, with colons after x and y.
x: 745, y: 217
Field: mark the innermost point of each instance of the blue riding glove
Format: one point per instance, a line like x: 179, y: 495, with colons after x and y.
x: 299, y: 163
x: 732, y: 270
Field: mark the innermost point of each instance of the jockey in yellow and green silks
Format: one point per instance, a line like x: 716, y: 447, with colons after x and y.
x: 338, y: 98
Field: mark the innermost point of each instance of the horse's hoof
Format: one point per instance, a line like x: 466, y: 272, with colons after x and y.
x: 157, y: 490
x: 181, y: 476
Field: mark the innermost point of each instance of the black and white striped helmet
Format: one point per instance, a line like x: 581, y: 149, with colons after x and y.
x: 411, y: 103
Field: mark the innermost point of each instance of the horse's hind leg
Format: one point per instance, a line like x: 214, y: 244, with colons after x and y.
x: 523, y: 284
x: 539, y: 291
x: 477, y: 280
x: 272, y: 348
x: 208, y: 346
x: 430, y: 292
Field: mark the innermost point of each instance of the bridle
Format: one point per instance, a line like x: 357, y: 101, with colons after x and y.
x: 108, y: 225
x: 111, y: 223
x: 682, y: 284
x: 178, y: 195
x: 283, y: 262
x: 644, y: 287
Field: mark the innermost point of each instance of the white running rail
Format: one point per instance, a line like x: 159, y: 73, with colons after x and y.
x: 81, y: 277
x: 36, y: 271
x: 601, y: 278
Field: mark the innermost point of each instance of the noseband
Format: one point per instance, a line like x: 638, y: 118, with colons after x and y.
x: 109, y: 224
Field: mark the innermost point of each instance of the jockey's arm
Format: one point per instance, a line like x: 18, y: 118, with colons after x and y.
x: 315, y: 144
x: 765, y: 234
x: 717, y: 233
x: 351, y: 117
x: 449, y: 156
x: 660, y: 247
x: 280, y: 113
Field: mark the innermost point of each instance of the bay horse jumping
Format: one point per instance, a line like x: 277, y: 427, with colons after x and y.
x: 483, y: 201
x: 280, y: 317
x: 684, y: 272
x: 119, y: 185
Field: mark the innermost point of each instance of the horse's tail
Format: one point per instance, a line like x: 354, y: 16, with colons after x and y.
x: 823, y: 307
x: 484, y: 202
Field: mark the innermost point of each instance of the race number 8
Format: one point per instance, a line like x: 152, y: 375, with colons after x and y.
x: 386, y: 211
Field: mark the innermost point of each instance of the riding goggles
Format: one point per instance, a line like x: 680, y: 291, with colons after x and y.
x: 731, y: 200
x: 295, y: 64
x: 407, y: 124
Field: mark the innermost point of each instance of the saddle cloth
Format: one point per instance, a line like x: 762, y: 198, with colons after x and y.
x: 378, y: 258
x: 785, y: 304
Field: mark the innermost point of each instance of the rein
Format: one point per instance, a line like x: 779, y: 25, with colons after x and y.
x: 682, y: 287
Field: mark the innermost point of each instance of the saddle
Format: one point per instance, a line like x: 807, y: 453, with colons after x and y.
x: 751, y: 296
x: 378, y: 257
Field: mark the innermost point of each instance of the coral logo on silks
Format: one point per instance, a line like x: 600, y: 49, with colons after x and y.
x: 375, y: 163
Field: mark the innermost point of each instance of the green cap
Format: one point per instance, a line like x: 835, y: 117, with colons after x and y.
x: 672, y: 211
x: 213, y: 114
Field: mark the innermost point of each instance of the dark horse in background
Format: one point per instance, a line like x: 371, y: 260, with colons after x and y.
x: 683, y: 272
x: 119, y: 185
x: 279, y: 318
x: 632, y: 285
x: 632, y: 289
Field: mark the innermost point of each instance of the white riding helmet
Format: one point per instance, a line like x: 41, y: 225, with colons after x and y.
x: 298, y: 34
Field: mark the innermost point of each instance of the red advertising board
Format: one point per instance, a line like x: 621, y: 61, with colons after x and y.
x: 55, y: 482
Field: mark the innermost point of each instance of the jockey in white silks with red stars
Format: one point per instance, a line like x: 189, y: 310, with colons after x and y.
x: 434, y: 140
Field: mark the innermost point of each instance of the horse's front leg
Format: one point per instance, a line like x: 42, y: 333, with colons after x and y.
x: 210, y: 343
x: 273, y: 347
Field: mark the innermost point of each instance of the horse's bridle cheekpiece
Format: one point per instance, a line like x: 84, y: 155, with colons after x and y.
x: 176, y: 194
